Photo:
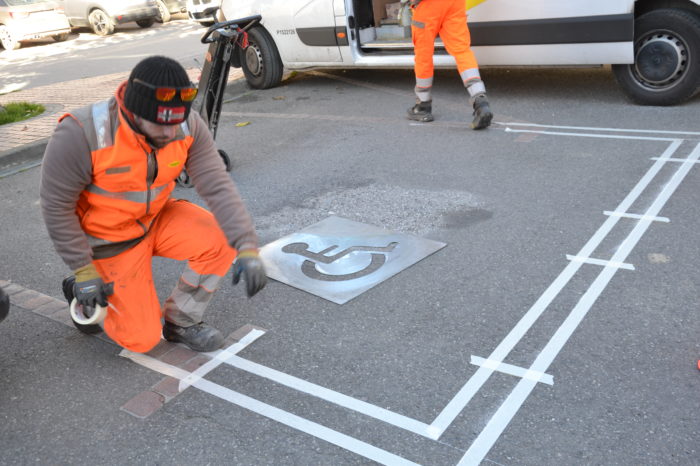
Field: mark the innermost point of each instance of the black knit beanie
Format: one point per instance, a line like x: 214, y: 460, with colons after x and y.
x: 141, y: 100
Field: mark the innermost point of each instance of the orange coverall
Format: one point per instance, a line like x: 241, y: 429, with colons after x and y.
x: 447, y: 18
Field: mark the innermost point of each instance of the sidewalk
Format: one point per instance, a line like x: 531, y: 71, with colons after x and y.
x: 26, y: 140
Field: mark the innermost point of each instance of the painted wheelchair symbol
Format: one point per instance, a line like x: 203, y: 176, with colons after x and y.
x: 310, y: 267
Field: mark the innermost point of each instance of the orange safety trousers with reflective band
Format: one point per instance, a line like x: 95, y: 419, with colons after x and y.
x: 448, y: 18
x: 128, y: 199
x: 182, y: 231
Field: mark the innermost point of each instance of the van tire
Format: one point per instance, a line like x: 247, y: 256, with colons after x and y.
x: 100, y: 22
x: 261, y: 62
x: 671, y: 36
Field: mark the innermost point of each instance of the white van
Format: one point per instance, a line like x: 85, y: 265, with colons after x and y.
x: 653, y: 45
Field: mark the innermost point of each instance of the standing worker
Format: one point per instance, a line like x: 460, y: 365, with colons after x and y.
x: 448, y: 18
x: 108, y: 172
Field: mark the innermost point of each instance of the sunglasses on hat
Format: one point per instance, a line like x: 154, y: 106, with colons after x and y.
x: 166, y: 94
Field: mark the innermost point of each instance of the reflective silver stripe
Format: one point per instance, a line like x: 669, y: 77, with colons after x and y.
x: 100, y: 118
x: 424, y: 82
x: 476, y: 87
x: 94, y: 241
x: 423, y: 94
x: 185, y: 128
x: 133, y: 196
x: 468, y: 75
x: 418, y: 24
x: 188, y: 301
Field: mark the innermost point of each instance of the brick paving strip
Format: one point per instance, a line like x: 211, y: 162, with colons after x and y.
x: 149, y: 401
x: 63, y: 98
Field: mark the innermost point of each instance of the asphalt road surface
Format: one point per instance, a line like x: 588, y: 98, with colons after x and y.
x: 85, y: 54
x: 558, y: 326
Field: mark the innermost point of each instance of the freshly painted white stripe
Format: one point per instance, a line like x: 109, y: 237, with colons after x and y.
x: 588, y: 135
x: 283, y: 417
x: 513, y: 370
x: 604, y: 263
x: 500, y: 420
x: 219, y: 357
x: 637, y: 216
x: 593, y: 128
x: 345, y: 401
x: 476, y: 381
x: 674, y: 160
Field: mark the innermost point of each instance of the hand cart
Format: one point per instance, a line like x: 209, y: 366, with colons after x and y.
x: 223, y: 39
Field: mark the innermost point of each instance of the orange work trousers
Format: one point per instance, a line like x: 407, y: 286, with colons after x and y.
x: 182, y: 231
x: 448, y: 18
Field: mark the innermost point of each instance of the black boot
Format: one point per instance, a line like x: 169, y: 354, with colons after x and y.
x: 199, y: 337
x: 482, y: 113
x: 68, y: 293
x: 421, y: 111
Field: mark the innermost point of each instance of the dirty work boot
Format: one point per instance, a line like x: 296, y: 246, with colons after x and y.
x: 199, y: 337
x: 482, y: 112
x: 67, y: 286
x: 421, y: 111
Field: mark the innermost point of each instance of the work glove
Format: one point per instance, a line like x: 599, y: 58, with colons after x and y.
x: 89, y: 289
x: 249, y: 264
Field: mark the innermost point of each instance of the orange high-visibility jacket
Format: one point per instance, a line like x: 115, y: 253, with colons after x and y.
x: 131, y: 181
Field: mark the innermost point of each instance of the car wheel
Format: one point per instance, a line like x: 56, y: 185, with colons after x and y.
x: 261, y: 62
x: 61, y: 37
x: 100, y: 23
x: 7, y: 40
x: 146, y: 23
x: 163, y: 12
x: 4, y: 305
x: 666, y: 68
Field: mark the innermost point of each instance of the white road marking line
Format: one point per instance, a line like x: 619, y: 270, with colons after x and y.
x: 505, y: 413
x: 604, y: 263
x: 637, y: 216
x: 283, y: 417
x: 590, y: 135
x: 220, y: 356
x: 476, y: 381
x: 675, y: 160
x: 513, y: 370
x: 339, y: 399
x: 592, y: 128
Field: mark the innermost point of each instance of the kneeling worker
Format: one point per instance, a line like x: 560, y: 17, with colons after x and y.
x: 107, y: 176
x: 447, y: 18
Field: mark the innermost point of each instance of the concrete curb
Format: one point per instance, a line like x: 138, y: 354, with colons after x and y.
x: 28, y: 153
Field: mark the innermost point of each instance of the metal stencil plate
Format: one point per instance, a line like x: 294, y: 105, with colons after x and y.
x: 338, y: 259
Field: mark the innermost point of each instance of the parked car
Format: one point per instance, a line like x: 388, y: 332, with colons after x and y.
x: 103, y: 15
x: 30, y: 19
x: 195, y: 10
x: 168, y: 7
x: 653, y: 45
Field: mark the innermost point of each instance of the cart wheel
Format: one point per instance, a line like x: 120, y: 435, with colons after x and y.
x: 183, y: 179
x: 227, y: 160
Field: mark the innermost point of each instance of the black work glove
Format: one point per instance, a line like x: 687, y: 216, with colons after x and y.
x: 89, y: 289
x: 249, y: 264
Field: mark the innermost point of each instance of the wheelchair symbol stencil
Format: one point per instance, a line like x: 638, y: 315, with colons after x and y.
x: 310, y: 266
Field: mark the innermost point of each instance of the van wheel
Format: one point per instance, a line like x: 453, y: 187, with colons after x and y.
x: 101, y: 23
x: 163, y: 12
x: 7, y: 40
x: 666, y: 69
x: 261, y: 62
x: 146, y: 23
